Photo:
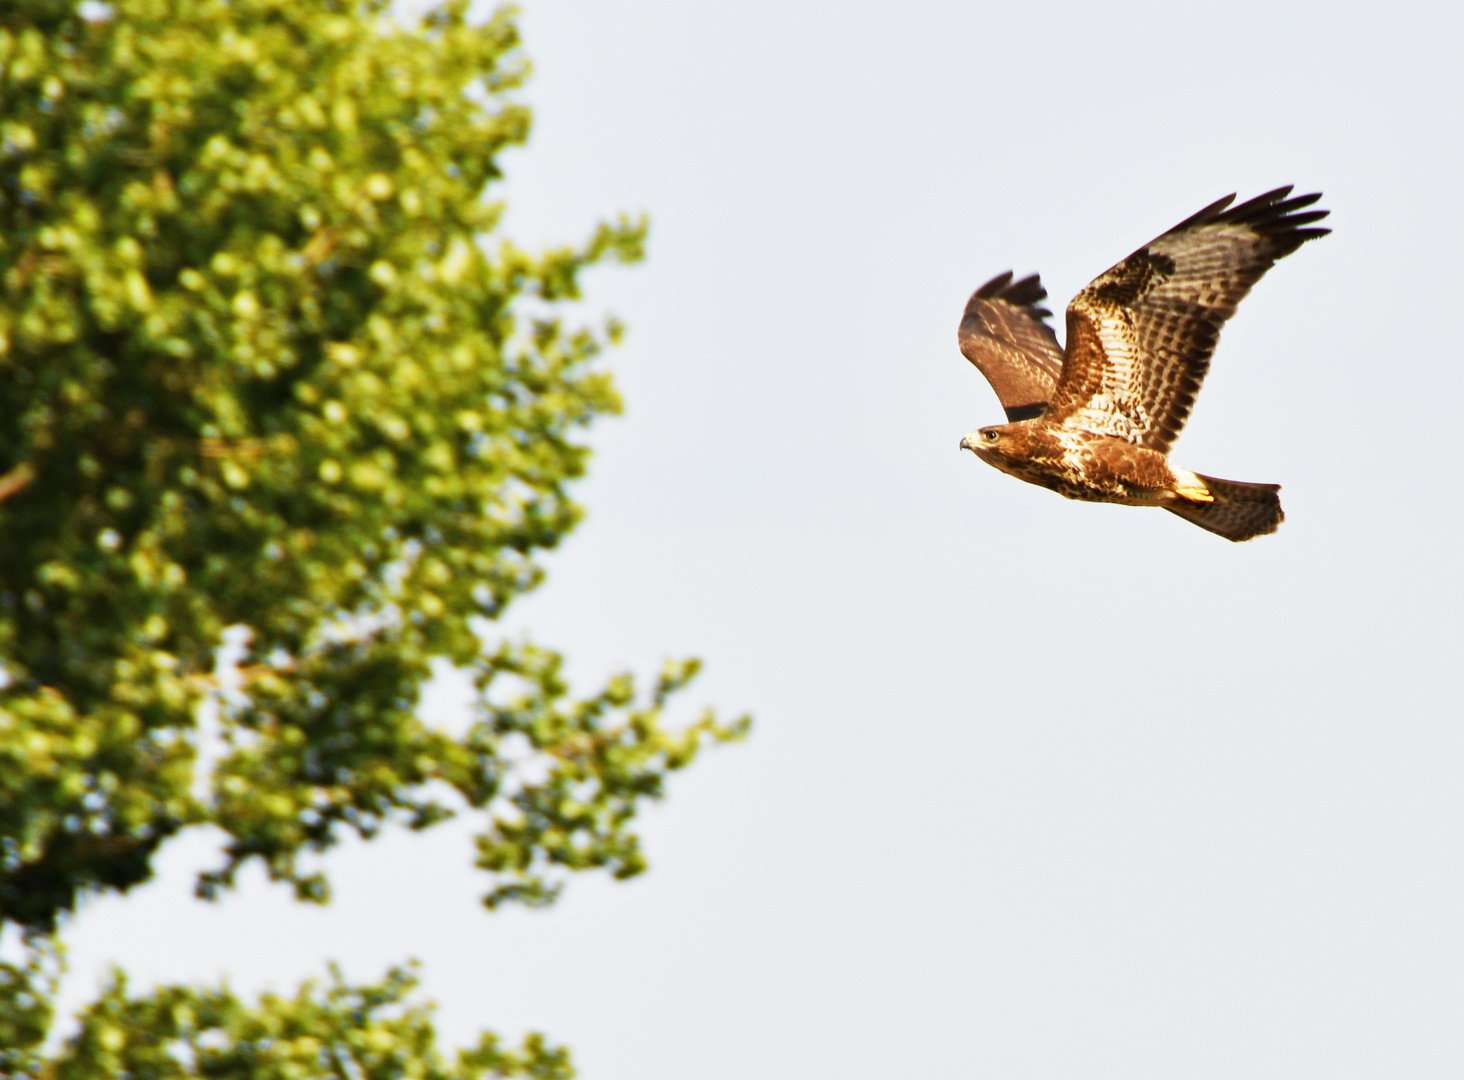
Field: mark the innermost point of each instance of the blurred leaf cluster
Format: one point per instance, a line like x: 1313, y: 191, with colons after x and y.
x: 373, y: 1031
x: 265, y: 367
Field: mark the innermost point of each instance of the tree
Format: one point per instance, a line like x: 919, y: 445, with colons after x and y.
x: 261, y: 368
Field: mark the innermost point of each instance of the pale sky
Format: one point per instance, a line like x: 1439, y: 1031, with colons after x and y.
x: 1037, y: 789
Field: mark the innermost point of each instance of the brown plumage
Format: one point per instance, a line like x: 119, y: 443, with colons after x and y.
x: 1096, y: 421
x: 1003, y: 333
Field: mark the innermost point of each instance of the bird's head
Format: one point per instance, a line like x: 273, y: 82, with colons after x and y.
x: 986, y: 442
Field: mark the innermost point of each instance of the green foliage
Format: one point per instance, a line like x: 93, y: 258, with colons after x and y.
x: 577, y: 817
x: 260, y: 367
x: 349, y: 1032
x: 25, y: 1006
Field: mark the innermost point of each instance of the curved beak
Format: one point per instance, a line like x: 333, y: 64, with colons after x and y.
x: 968, y: 444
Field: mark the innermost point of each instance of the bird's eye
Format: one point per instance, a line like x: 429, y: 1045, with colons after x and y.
x: 990, y: 436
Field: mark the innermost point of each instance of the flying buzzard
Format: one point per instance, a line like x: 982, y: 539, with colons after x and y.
x: 1096, y: 421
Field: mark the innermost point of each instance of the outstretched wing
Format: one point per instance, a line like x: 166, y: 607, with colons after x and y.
x: 1004, y: 335
x: 1141, y: 335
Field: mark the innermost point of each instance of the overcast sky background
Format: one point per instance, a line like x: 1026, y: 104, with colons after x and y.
x: 1037, y: 789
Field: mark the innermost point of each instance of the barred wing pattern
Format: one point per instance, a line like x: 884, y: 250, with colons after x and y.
x: 1004, y: 334
x: 1141, y: 335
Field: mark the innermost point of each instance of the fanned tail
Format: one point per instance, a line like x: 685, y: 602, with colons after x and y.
x: 1240, y: 511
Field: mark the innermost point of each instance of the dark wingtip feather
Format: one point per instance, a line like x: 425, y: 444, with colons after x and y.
x: 1274, y: 211
x: 1284, y: 239
x: 1273, y: 214
x: 1209, y: 213
x: 993, y: 288
x: 1260, y: 202
x: 1026, y: 294
x: 1304, y: 200
x: 1308, y: 217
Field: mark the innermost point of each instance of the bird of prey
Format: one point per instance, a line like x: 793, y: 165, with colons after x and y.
x: 1095, y: 421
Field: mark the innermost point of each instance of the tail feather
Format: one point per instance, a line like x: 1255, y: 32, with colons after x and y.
x: 1240, y: 511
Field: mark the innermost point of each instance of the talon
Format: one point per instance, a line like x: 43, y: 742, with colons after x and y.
x: 1195, y: 494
